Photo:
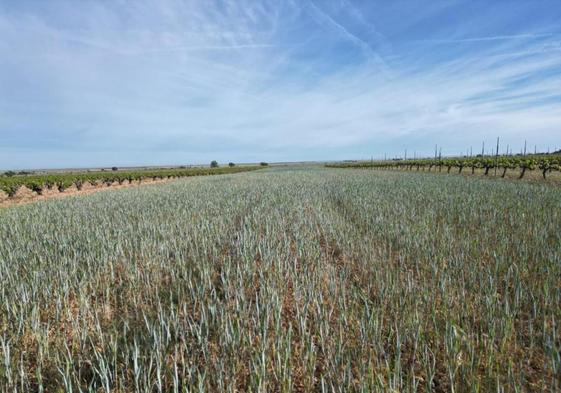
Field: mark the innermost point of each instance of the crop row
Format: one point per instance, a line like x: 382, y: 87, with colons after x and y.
x: 62, y: 181
x: 545, y: 163
x: 299, y: 279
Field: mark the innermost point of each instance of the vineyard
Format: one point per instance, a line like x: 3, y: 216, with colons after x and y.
x: 285, y: 280
x: 61, y: 181
x: 544, y: 163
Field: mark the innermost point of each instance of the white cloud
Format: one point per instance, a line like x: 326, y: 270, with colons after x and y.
x: 258, y: 76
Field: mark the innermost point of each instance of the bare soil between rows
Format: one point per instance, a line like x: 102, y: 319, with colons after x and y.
x: 25, y: 196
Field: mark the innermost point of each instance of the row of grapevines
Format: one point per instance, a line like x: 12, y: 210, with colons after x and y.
x: 62, y: 181
x: 545, y: 163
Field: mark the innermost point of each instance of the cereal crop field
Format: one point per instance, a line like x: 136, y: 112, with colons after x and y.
x: 285, y: 279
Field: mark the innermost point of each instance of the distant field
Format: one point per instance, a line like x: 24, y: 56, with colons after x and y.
x: 287, y: 279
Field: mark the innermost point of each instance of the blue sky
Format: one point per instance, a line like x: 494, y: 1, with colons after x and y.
x: 109, y: 82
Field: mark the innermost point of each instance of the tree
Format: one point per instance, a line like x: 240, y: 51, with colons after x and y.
x: 264, y: 164
x: 214, y: 164
x: 114, y: 168
x: 231, y: 164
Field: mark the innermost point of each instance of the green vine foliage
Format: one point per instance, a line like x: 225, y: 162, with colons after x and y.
x: 62, y: 181
x: 546, y: 164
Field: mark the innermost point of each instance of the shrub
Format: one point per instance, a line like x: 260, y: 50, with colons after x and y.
x: 63, y: 184
x: 214, y: 164
x: 36, y: 187
x: 264, y: 164
x: 11, y: 189
x: 231, y: 165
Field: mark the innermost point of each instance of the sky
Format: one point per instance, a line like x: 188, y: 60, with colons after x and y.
x: 171, y: 82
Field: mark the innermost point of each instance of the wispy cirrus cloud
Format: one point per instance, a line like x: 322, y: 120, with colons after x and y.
x: 173, y: 81
x: 489, y: 38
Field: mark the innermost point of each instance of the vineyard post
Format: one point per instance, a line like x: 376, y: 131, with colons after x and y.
x: 497, y: 157
x: 524, y: 148
x: 483, y: 149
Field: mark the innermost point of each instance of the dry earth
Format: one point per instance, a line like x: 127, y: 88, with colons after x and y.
x: 25, y: 195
